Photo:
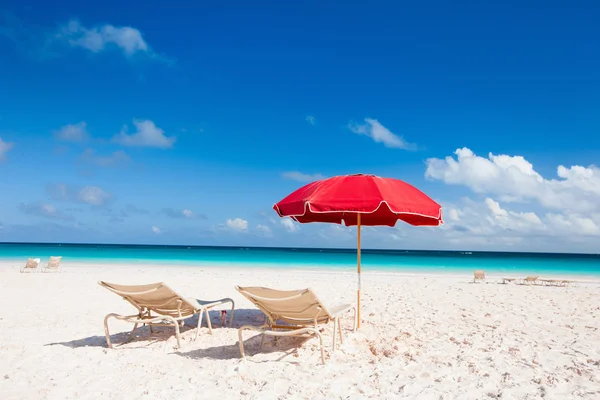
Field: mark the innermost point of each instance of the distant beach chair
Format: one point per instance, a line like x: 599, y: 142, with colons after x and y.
x: 53, y: 264
x: 31, y: 265
x: 300, y: 310
x: 508, y: 280
x: 555, y: 282
x: 478, y: 275
x: 159, y: 305
x: 531, y: 280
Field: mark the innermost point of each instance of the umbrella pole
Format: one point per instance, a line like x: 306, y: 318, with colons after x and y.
x: 358, y: 264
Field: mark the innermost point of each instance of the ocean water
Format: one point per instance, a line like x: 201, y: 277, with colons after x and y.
x: 459, y: 262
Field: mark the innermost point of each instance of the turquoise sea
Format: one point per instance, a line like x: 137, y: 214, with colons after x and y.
x: 387, y: 260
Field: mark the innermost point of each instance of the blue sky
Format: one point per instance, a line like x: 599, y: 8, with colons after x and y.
x: 147, y: 123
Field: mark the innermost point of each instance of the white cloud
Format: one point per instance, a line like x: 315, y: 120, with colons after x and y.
x: 237, y: 224
x: 489, y: 219
x: 301, y: 177
x: 380, y: 134
x: 512, y: 220
x: 99, y: 38
x: 513, y: 178
x: 290, y: 225
x: 4, y: 148
x: 114, y: 159
x: 265, y: 230
x: 156, y: 230
x: 93, y: 195
x: 147, y: 135
x: 45, y: 210
x: 185, y: 213
x: 574, y: 224
x: 311, y: 119
x: 73, y: 133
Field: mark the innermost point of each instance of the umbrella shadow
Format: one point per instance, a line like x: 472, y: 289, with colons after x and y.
x: 146, y: 337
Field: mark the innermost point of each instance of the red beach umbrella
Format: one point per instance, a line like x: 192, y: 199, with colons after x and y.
x: 360, y: 199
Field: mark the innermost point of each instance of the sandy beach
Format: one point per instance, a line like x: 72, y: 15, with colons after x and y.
x: 425, y: 337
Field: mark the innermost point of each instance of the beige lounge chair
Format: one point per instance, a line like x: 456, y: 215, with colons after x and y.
x: 478, y: 275
x: 531, y: 280
x: 31, y: 265
x: 52, y: 265
x: 159, y: 305
x: 300, y: 310
x: 508, y: 280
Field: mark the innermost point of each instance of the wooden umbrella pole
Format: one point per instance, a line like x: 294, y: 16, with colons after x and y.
x: 358, y: 263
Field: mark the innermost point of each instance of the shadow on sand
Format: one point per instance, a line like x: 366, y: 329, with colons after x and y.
x: 160, y: 333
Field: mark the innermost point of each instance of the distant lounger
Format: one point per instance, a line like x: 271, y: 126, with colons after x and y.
x: 53, y: 264
x: 508, y: 280
x: 31, y: 265
x: 531, y: 280
x: 300, y: 310
x: 478, y: 275
x: 555, y: 282
x: 159, y: 305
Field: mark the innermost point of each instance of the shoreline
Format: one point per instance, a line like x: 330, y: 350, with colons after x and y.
x: 407, y: 272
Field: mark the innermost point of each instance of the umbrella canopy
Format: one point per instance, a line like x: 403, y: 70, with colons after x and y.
x: 360, y: 199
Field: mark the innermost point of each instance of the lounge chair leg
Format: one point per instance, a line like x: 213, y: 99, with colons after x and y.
x: 108, y: 342
x: 232, y: 311
x: 321, y: 346
x: 262, y: 342
x: 134, y: 328
x: 176, y: 323
x: 150, y: 325
x: 241, y: 340
x: 199, y: 325
x: 208, y: 322
x: 335, y: 325
x: 340, y: 331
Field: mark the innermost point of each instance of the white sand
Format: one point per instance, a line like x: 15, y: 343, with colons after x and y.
x: 422, y: 337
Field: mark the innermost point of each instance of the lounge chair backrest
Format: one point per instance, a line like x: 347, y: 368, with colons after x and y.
x: 298, y: 307
x: 156, y: 297
x: 54, y: 262
x: 479, y: 274
x: 32, y: 263
x: 532, y: 278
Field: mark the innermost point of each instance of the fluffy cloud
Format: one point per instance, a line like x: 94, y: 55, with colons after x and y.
x: 73, y: 133
x: 513, y: 178
x: 156, y: 230
x: 4, y: 148
x: 185, y: 213
x: 290, y: 225
x: 237, y: 224
x: 490, y: 219
x: 301, y: 177
x: 380, y: 134
x: 147, y: 135
x: 114, y: 159
x: 92, y: 195
x: 45, y: 210
x: 311, y: 119
x: 265, y: 230
x: 99, y: 38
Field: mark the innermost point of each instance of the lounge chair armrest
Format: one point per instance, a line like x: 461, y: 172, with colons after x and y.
x: 198, y: 303
x: 342, y: 308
